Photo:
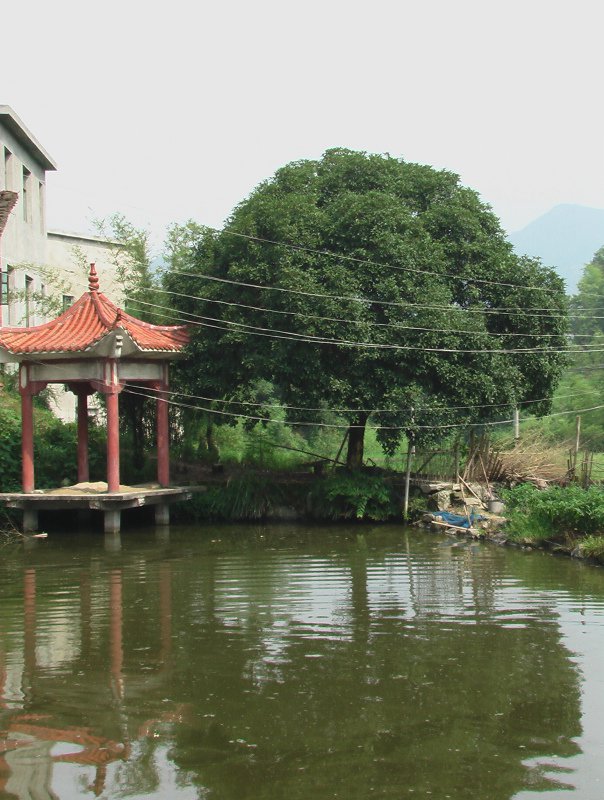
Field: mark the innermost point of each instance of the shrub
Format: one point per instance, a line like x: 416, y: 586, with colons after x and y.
x: 353, y: 496
x: 592, y: 547
x: 539, y: 515
x: 55, y: 448
x: 10, y: 449
x: 247, y: 498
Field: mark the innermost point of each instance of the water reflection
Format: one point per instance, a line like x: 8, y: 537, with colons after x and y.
x: 61, y: 695
x: 255, y: 665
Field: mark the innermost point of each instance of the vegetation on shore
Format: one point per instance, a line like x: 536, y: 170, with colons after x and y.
x: 55, y: 444
x: 570, y: 517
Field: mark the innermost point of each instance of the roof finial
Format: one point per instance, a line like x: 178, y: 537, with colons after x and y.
x: 93, y: 281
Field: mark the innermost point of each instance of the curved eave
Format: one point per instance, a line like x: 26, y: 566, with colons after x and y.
x: 90, y: 328
x: 106, y: 346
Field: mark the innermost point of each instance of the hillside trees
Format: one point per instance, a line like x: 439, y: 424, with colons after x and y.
x: 586, y: 376
x: 353, y: 282
x: 587, y: 304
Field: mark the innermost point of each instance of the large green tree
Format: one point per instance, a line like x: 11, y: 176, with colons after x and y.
x: 375, y: 268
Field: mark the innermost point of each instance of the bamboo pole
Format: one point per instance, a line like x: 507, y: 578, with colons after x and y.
x: 337, y: 458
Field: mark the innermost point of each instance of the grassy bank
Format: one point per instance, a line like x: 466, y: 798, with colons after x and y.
x: 570, y: 518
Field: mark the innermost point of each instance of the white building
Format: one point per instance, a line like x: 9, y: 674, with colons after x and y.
x: 34, y: 261
x: 41, y: 268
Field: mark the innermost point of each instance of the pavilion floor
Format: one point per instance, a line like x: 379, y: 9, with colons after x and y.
x: 95, y: 497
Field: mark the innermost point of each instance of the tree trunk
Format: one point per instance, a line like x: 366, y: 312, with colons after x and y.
x: 356, y: 441
x: 212, y: 445
x: 133, y: 418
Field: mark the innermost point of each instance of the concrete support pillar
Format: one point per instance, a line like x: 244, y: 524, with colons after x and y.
x: 113, y: 542
x: 27, y: 441
x: 162, y: 534
x: 162, y: 514
x: 30, y: 520
x: 83, y: 470
x: 163, y: 440
x: 113, y: 444
x: 112, y: 521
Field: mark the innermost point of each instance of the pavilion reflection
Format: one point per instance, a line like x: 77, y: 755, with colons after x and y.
x: 33, y: 743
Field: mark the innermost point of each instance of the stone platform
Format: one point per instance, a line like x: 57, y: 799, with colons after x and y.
x: 95, y: 497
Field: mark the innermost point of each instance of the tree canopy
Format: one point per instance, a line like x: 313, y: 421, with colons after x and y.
x: 586, y: 305
x: 366, y: 283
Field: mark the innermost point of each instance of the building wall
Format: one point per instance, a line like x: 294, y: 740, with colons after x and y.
x: 70, y: 256
x: 39, y: 262
x: 46, y: 271
x: 23, y: 244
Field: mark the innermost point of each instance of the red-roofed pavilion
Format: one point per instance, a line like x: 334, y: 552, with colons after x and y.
x: 94, y: 346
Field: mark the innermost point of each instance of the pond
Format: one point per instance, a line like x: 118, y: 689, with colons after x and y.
x: 296, y: 662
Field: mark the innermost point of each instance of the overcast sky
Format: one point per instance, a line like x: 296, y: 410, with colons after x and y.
x: 177, y: 110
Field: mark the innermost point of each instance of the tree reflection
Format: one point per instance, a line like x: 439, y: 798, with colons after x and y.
x: 429, y: 690
x: 332, y: 664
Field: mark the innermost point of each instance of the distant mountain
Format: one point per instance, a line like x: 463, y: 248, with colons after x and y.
x: 565, y: 238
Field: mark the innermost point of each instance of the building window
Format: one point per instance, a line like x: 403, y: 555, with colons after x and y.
x: 8, y: 168
x: 41, y: 206
x: 25, y: 195
x: 29, y: 288
x: 4, y: 287
x: 67, y: 301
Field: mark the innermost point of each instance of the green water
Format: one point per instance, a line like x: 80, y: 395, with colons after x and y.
x: 291, y: 662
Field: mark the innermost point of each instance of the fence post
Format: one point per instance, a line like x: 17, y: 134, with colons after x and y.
x: 516, y: 424
x: 456, y: 459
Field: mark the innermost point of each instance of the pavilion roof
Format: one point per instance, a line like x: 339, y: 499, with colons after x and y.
x: 86, y: 323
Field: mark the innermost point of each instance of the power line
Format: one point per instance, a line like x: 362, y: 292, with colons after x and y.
x: 272, y: 333
x: 303, y: 315
x: 278, y: 334
x: 346, y: 426
x: 506, y: 310
x: 380, y: 264
x: 371, y: 323
x: 306, y: 423
x: 424, y: 409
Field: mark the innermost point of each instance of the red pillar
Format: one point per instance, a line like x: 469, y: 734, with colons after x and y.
x: 29, y: 620
x: 27, y: 441
x: 115, y: 631
x: 113, y: 443
x: 163, y: 440
x: 83, y: 471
